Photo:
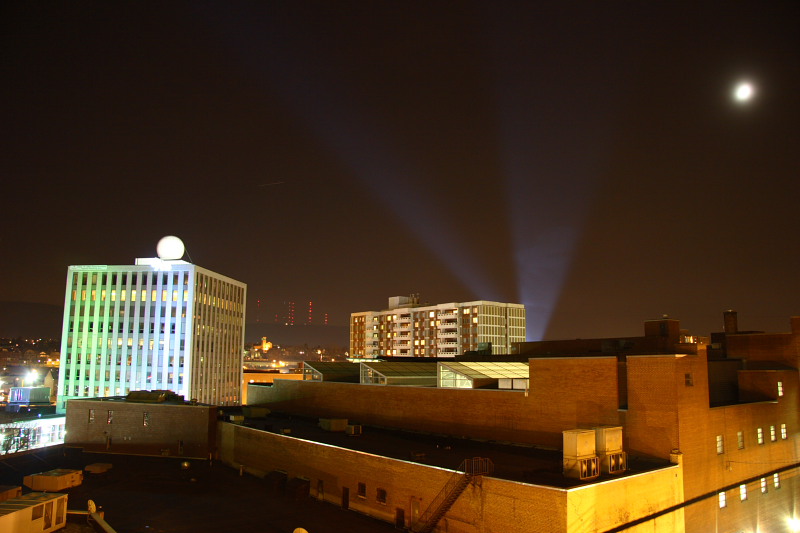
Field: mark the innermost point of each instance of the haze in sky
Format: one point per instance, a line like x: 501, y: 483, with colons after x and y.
x: 591, y: 160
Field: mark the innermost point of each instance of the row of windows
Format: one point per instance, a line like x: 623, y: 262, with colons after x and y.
x: 122, y: 278
x: 773, y: 437
x: 113, y: 327
x: 380, y: 494
x: 121, y: 341
x: 764, y: 486
x: 110, y: 417
x: 123, y: 295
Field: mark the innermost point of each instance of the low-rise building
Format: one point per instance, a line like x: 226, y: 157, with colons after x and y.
x: 144, y: 423
x: 737, y: 451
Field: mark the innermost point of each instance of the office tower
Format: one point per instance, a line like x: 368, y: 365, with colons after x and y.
x: 162, y: 323
x: 409, y: 329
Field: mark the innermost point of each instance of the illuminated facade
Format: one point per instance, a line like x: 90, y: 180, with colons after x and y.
x: 724, y: 414
x: 408, y: 329
x: 159, y: 324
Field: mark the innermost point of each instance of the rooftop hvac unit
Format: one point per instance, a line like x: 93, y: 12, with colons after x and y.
x: 581, y: 467
x: 614, y: 463
x: 608, y: 439
x: 333, y: 424
x: 353, y: 430
x: 579, y: 442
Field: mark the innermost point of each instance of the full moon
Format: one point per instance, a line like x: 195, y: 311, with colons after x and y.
x: 170, y: 248
x: 743, y: 92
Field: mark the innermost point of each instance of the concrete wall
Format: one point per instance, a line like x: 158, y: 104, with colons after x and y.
x: 489, y: 505
x: 179, y: 430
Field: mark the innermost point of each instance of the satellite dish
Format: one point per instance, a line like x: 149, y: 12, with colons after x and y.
x: 92, y: 507
x: 170, y: 248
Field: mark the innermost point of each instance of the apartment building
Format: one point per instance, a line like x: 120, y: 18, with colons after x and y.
x: 410, y: 329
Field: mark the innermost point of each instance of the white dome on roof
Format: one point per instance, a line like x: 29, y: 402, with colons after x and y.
x: 170, y: 248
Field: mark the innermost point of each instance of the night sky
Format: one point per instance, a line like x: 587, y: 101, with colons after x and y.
x: 585, y: 159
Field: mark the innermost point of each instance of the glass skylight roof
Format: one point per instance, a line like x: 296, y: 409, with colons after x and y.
x: 489, y: 370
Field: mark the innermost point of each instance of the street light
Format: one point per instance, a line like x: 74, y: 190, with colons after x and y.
x: 32, y: 376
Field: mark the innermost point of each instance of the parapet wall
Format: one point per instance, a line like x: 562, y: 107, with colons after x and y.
x: 487, y: 505
x: 564, y: 394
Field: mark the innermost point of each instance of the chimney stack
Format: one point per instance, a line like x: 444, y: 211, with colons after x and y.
x: 730, y: 322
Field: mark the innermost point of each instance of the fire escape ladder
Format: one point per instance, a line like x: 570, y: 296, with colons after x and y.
x: 468, y: 470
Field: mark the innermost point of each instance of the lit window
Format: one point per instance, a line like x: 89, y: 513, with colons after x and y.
x: 146, y: 419
x: 742, y: 492
x: 776, y: 480
x: 773, y: 436
x: 763, y: 485
x: 780, y: 388
x: 783, y: 431
x: 760, y: 436
x: 110, y: 417
x: 723, y: 502
x: 720, y: 445
x: 740, y: 439
x: 91, y: 416
x: 431, y: 314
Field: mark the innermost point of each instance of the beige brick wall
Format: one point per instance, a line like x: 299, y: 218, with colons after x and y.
x: 564, y: 394
x: 490, y: 505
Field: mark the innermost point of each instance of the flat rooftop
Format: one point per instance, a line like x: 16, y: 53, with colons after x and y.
x: 514, y: 462
x: 157, y: 495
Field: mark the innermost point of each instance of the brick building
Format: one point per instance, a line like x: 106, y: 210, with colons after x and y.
x: 726, y: 415
x: 144, y: 423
